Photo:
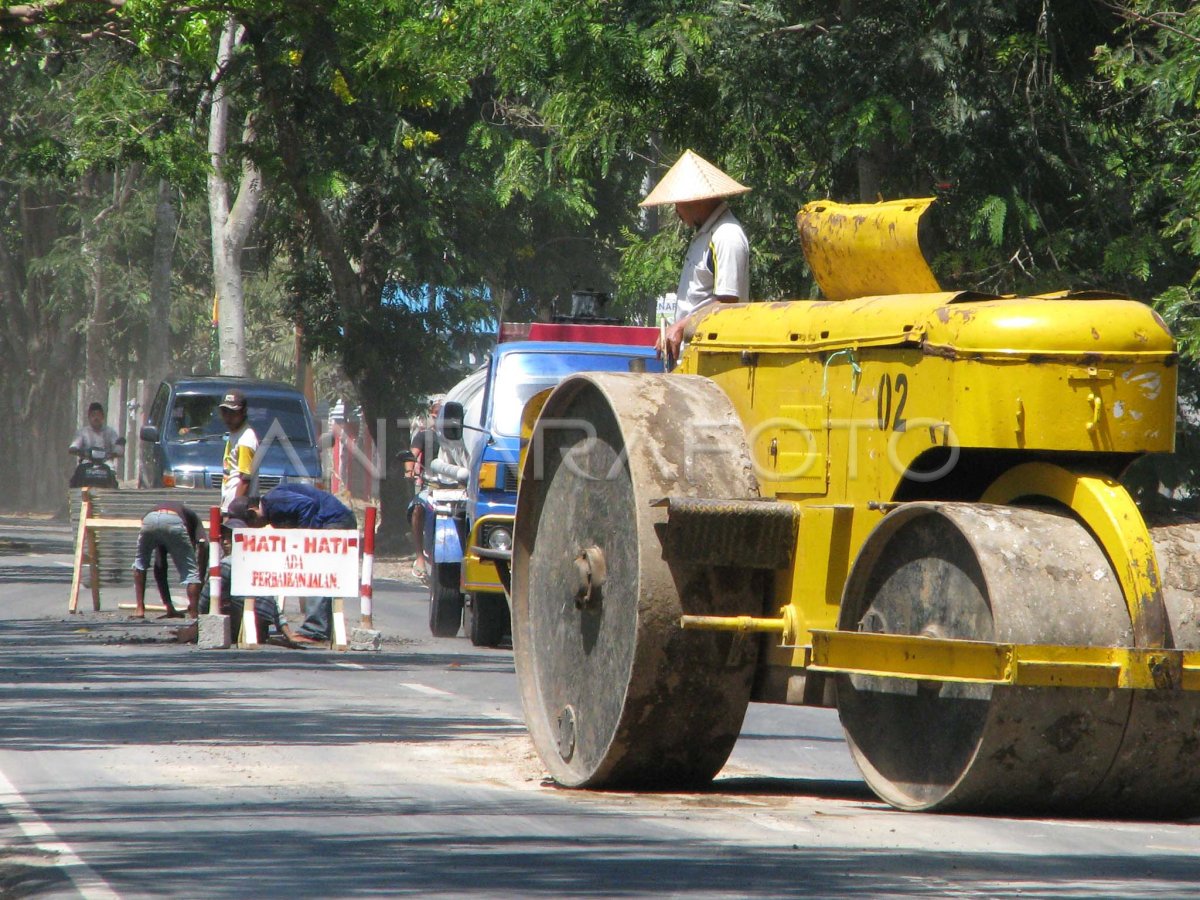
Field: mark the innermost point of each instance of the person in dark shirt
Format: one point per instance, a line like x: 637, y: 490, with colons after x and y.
x: 299, y: 506
x: 174, y: 529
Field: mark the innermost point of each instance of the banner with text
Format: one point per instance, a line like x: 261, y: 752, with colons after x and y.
x: 298, y: 562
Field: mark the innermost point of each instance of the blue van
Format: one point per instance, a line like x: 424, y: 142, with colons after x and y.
x: 183, y: 439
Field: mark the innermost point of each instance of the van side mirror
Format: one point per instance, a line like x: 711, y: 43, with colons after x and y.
x: 450, y: 421
x: 149, y: 433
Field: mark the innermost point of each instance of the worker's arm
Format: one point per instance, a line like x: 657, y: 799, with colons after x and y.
x: 675, y: 334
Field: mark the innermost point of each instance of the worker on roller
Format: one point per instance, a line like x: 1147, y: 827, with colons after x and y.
x: 716, y: 268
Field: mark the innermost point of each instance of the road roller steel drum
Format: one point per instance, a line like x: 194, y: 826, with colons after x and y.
x: 900, y: 501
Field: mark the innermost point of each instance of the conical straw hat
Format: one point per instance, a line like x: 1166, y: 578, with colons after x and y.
x: 692, y: 178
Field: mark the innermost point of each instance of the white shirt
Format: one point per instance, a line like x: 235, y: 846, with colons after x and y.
x: 238, y: 463
x: 88, y: 437
x: 717, y: 263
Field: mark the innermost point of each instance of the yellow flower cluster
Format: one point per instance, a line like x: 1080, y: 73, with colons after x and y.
x: 420, y: 139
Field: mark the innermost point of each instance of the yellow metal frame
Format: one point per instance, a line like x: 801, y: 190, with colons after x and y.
x: 1020, y: 665
x: 1112, y: 516
x: 480, y: 574
x: 1107, y: 509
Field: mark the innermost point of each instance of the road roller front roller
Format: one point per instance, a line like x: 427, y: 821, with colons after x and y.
x: 614, y: 693
x: 898, y: 501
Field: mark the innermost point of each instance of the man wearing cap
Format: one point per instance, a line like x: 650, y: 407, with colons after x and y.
x: 717, y: 265
x: 240, y: 447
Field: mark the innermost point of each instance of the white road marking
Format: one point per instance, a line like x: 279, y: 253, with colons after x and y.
x: 90, y: 885
x: 425, y: 689
x: 343, y: 665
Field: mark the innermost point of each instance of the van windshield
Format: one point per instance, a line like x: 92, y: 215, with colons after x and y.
x: 521, y: 375
x: 196, y: 417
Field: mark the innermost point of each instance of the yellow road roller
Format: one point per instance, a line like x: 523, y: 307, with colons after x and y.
x: 897, y: 500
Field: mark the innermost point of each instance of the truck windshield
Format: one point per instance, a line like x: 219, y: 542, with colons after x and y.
x: 521, y: 375
x: 195, y: 417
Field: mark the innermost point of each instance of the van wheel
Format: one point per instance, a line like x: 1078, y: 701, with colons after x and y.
x: 487, y: 619
x: 445, y: 600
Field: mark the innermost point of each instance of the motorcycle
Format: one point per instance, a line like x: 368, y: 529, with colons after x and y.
x: 93, y: 469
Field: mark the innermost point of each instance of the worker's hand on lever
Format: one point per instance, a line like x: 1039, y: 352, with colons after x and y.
x: 669, y: 341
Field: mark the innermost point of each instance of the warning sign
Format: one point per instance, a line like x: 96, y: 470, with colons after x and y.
x: 298, y: 562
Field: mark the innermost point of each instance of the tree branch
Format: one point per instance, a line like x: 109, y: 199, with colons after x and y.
x: 250, y: 189
x: 36, y: 13
x: 1156, y: 20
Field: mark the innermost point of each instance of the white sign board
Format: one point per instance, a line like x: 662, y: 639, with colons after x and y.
x: 298, y: 562
x: 664, y: 310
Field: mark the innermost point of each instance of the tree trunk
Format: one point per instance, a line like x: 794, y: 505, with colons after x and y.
x: 357, y: 289
x: 230, y: 226
x: 872, y: 166
x: 157, y: 357
x: 502, y: 299
x: 96, y: 339
x: 95, y: 245
x: 40, y: 356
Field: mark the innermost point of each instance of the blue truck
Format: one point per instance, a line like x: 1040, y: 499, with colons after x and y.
x: 528, y: 361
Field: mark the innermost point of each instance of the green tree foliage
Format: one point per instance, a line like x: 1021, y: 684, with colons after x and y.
x: 432, y: 163
x: 80, y: 136
x: 1152, y: 63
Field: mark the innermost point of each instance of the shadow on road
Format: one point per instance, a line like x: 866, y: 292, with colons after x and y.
x: 35, y: 574
x: 165, y: 694
x: 405, y: 848
x: 402, y: 837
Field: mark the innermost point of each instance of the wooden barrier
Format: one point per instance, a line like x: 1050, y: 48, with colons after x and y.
x: 116, y: 547
x: 107, y: 523
x: 85, y: 545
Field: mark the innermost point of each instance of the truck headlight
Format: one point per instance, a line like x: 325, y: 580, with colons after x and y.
x: 499, y: 539
x: 183, y: 478
x: 302, y: 479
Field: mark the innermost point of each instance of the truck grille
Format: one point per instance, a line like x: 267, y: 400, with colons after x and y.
x: 265, y: 482
x: 510, y: 478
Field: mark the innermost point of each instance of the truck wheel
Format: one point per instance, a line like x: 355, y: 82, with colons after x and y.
x: 615, y: 693
x: 487, y: 619
x: 445, y: 600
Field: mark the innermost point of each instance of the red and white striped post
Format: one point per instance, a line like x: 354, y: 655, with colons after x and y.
x: 214, y: 561
x: 368, y: 567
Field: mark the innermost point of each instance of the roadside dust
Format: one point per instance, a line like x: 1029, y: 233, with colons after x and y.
x: 505, y: 762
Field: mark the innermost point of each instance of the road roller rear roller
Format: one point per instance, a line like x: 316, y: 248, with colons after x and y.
x: 1025, y: 576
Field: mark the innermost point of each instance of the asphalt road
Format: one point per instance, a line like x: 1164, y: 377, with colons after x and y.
x: 131, y: 767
